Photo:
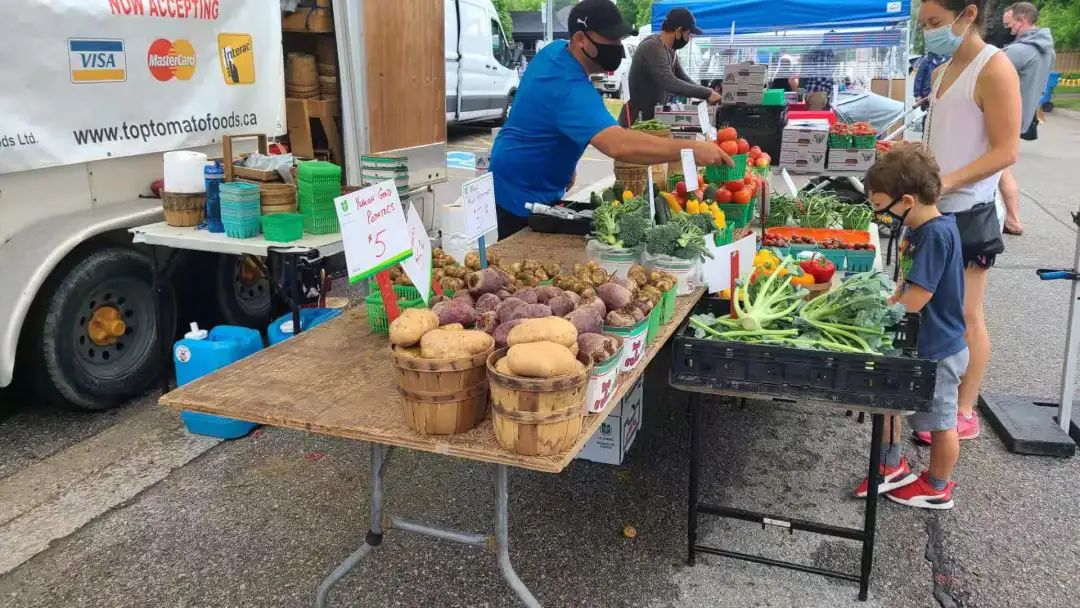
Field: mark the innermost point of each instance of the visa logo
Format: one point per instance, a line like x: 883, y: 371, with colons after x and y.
x: 97, y: 60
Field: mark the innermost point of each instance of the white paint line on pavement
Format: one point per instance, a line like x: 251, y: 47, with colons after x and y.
x: 106, y: 474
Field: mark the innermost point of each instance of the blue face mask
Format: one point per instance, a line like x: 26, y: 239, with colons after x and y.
x: 943, y: 40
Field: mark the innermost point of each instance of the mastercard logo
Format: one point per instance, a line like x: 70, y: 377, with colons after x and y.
x: 171, y: 59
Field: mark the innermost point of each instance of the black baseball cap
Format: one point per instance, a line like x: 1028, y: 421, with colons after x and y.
x: 600, y: 16
x: 681, y: 17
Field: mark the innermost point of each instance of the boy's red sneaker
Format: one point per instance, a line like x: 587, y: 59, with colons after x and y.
x: 923, y: 495
x: 892, y: 478
x: 966, y: 428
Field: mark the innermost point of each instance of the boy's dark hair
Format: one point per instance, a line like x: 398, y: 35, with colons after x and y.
x: 906, y: 169
x: 958, y: 6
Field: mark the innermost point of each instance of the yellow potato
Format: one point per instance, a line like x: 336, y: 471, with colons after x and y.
x: 451, y: 344
x: 453, y: 327
x: 411, y: 325
x: 547, y: 329
x: 503, y: 367
x: 542, y: 360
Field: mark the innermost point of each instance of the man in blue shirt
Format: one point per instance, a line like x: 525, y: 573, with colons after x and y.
x: 923, y: 84
x: 817, y: 78
x: 557, y: 113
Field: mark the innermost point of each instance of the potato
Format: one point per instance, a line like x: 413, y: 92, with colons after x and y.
x: 487, y: 302
x: 548, y: 329
x: 529, y: 296
x: 586, y: 320
x: 503, y: 367
x: 455, y: 311
x: 411, y: 325
x: 487, y: 322
x: 453, y: 327
x: 502, y: 332
x: 506, y: 309
x: 544, y: 293
x: 561, y: 305
x: 542, y: 360
x: 449, y: 344
x: 537, y: 311
x: 408, y: 351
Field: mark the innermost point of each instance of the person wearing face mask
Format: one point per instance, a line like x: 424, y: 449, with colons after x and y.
x: 557, y: 113
x: 656, y: 72
x: 973, y: 130
x: 1032, y: 53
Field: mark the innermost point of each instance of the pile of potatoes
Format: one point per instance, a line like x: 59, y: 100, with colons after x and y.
x: 444, y: 269
x: 541, y: 348
x: 417, y: 333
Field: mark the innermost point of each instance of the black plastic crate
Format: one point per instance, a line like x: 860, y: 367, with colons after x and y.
x: 898, y: 382
x: 744, y: 116
x: 768, y: 139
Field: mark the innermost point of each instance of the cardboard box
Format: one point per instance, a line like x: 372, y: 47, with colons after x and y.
x: 807, y: 132
x: 745, y: 74
x: 852, y: 159
x: 617, y: 433
x: 740, y: 96
x: 799, y: 162
x: 688, y: 136
x: 801, y: 147
x: 683, y: 118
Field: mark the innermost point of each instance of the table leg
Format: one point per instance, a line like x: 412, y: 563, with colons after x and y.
x: 694, y: 402
x: 374, y: 535
x: 870, y: 513
x: 158, y: 288
x: 292, y: 263
x: 502, y: 539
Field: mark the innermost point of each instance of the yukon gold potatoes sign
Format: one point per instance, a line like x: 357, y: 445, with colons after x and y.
x: 95, y: 79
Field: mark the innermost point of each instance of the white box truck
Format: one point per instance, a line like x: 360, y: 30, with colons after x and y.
x: 102, y: 88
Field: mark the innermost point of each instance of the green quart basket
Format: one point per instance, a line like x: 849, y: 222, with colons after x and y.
x: 724, y: 237
x: 859, y: 260
x: 840, y: 141
x: 283, y: 227
x: 320, y: 222
x: 836, y: 256
x: 738, y: 216
x: 376, y: 312
x: 864, y: 142
x: 773, y: 97
x: 715, y: 174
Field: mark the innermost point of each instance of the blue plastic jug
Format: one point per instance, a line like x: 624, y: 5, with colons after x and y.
x: 201, y: 352
x: 282, y: 327
x: 213, y: 175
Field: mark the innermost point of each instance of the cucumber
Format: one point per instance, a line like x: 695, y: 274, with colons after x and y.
x: 609, y: 196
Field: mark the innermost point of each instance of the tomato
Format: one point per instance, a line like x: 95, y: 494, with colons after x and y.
x: 762, y: 161
x: 701, y: 182
x: 729, y: 147
x: 749, y: 180
x: 744, y: 146
x: 742, y: 197
x: 734, y: 186
x: 727, y: 134
x: 723, y: 196
x: 768, y: 159
x: 680, y: 188
x: 755, y: 151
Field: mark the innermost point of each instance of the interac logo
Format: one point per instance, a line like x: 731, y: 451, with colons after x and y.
x: 171, y: 59
x: 97, y: 60
x: 237, y: 55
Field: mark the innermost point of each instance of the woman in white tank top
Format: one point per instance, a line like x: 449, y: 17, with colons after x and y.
x: 974, y: 131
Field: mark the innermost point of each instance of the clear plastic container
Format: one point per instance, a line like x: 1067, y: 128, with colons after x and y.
x: 614, y: 260
x: 687, y: 273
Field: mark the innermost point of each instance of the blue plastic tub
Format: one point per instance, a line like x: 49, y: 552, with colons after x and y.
x: 282, y: 327
x: 196, y: 356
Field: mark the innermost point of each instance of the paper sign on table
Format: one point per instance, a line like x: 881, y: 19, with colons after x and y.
x: 373, y: 230
x: 478, y: 199
x: 418, y: 265
x: 717, y: 271
x: 789, y: 182
x: 689, y: 168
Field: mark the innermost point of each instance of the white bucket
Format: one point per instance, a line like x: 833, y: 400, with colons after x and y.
x: 184, y: 172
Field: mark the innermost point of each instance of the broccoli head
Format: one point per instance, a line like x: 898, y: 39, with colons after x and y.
x: 704, y: 221
x: 632, y: 229
x: 663, y: 239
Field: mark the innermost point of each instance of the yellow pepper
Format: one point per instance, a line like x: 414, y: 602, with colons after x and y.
x: 719, y: 219
x: 725, y: 294
x: 627, y: 195
x: 766, y: 257
x: 614, y: 203
x: 804, y: 280
x: 693, y: 207
x: 715, y: 208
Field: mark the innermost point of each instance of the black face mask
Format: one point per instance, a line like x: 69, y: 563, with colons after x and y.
x: 680, y: 42
x: 888, y: 211
x: 608, y: 56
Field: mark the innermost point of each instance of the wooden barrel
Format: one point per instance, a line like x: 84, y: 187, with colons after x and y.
x: 277, y: 198
x: 634, y: 178
x: 183, y: 210
x: 537, y: 416
x: 301, y: 70
x: 442, y: 396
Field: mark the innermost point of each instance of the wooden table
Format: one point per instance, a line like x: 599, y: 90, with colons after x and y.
x: 337, y: 379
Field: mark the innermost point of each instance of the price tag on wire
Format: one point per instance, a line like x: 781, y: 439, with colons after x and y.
x: 478, y: 199
x: 689, y: 168
x: 418, y: 264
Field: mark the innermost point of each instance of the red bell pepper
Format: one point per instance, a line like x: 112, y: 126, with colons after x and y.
x: 680, y: 189
x: 820, y: 268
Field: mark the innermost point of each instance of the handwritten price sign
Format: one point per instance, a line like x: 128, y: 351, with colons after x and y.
x: 373, y: 230
x: 418, y: 265
x: 478, y: 199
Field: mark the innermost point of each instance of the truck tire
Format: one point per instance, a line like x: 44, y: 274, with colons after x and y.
x: 243, y: 292
x: 506, y: 108
x: 79, y: 364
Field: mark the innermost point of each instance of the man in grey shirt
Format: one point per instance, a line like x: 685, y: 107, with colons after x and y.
x: 656, y: 73
x: 1032, y: 53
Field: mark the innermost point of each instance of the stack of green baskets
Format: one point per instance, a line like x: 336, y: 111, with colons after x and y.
x: 773, y: 97
x: 715, y: 174
x: 376, y: 312
x: 738, y: 216
x: 839, y: 141
x: 864, y: 142
x: 283, y: 227
x: 318, y: 183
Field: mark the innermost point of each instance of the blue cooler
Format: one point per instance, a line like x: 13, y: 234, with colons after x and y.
x: 282, y: 327
x: 201, y: 352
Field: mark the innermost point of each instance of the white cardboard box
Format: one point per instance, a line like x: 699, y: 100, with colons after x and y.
x: 688, y: 135
x: 801, y: 147
x: 810, y: 162
x: 617, y: 433
x: 851, y: 159
x: 815, y: 132
x: 684, y: 118
x: 745, y: 73
x: 735, y: 96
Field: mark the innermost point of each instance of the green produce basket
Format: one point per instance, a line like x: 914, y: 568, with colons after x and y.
x: 773, y: 97
x: 318, y: 172
x: 320, y: 221
x: 404, y: 292
x: 724, y: 237
x: 836, y: 256
x: 715, y: 174
x: 795, y: 249
x: 283, y: 227
x: 860, y: 260
x: 864, y: 142
x: 376, y: 312
x: 668, y: 304
x: 840, y: 141
x: 738, y: 216
x: 654, y: 323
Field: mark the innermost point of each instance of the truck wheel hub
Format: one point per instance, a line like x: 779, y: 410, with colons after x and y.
x: 105, y: 326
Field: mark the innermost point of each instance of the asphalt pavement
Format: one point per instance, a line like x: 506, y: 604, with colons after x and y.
x: 260, y: 521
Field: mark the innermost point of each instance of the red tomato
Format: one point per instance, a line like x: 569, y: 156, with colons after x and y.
x: 768, y: 159
x: 762, y: 161
x: 755, y: 151
x: 749, y: 180
x: 742, y: 197
x: 734, y: 186
x: 727, y: 134
x: 723, y: 196
x: 744, y: 146
x: 729, y: 147
x: 701, y: 182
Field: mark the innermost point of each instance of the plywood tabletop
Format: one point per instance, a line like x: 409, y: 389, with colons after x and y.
x: 337, y: 379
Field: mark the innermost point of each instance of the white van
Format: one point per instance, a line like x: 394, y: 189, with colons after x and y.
x: 481, y: 67
x: 613, y: 83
